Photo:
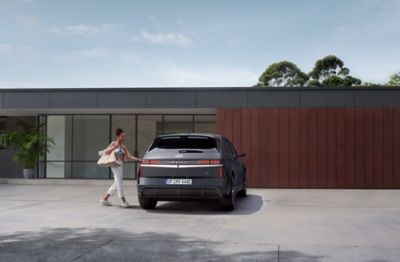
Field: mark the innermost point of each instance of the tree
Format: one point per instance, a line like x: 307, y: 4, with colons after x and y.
x: 394, y: 80
x: 330, y: 71
x: 281, y: 74
x: 371, y: 84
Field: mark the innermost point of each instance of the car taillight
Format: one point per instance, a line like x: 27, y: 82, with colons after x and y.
x: 209, y: 162
x: 151, y: 161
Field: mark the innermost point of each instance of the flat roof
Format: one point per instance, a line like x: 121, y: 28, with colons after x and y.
x: 109, y: 99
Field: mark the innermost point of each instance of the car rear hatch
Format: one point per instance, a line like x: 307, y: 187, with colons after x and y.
x: 183, y: 156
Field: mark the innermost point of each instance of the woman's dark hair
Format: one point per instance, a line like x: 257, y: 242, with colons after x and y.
x: 118, y: 131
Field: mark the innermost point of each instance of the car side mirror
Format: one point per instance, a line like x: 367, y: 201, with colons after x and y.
x: 241, y: 155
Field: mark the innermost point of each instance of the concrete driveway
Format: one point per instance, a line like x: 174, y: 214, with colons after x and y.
x: 66, y: 223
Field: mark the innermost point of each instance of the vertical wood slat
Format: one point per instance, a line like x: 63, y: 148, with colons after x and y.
x: 245, y: 142
x: 294, y: 148
x: 341, y: 148
x: 378, y: 148
x: 396, y: 147
x: 369, y: 160
x: 350, y: 148
x: 254, y: 146
x: 304, y: 147
x: 331, y: 148
x: 317, y: 148
x: 313, y: 148
x: 236, y: 129
x: 359, y: 129
x: 228, y: 124
x: 264, y: 160
x: 283, y: 147
x: 273, y: 147
x: 387, y: 148
x: 322, y: 149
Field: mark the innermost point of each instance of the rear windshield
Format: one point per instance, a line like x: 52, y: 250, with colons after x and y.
x: 185, y: 142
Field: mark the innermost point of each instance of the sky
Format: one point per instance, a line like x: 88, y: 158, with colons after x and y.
x: 196, y: 43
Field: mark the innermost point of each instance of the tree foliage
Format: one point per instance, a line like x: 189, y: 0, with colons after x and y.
x: 330, y: 71
x: 394, y: 80
x: 30, y: 143
x: 281, y: 74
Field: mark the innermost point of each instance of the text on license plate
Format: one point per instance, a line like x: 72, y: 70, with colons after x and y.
x: 179, y: 181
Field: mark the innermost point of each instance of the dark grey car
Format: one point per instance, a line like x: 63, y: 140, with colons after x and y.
x: 191, y: 167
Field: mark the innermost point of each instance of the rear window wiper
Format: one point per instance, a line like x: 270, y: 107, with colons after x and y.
x: 190, y: 151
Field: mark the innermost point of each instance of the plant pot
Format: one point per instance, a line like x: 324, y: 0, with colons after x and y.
x: 29, y: 173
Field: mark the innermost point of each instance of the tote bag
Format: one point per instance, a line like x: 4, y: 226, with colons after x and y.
x: 108, y: 160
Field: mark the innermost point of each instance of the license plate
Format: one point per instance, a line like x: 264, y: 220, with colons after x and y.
x: 179, y: 181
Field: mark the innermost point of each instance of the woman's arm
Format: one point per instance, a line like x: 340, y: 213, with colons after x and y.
x: 111, y: 147
x: 129, y: 156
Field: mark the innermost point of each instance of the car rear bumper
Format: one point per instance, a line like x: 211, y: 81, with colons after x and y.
x: 201, y: 189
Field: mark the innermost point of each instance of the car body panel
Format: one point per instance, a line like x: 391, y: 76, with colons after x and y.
x: 209, y: 180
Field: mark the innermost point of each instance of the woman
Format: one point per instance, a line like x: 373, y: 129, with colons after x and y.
x: 122, y: 154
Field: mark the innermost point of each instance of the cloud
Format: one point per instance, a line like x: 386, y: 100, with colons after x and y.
x: 95, y: 52
x: 91, y: 53
x: 164, y: 39
x: 83, y: 30
x: 27, y: 20
x: 213, y: 76
x: 5, y: 49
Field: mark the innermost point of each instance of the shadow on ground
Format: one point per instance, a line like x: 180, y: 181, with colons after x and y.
x: 245, y: 206
x: 66, y: 244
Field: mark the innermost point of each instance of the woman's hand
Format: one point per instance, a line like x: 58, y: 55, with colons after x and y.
x: 137, y: 159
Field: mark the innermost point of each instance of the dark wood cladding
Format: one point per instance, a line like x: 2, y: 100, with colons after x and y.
x: 316, y: 147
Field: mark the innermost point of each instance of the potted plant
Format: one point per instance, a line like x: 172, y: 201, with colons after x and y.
x: 30, y: 143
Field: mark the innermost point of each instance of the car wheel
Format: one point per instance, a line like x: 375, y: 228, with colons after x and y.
x: 243, y: 192
x: 147, y: 203
x: 228, y: 203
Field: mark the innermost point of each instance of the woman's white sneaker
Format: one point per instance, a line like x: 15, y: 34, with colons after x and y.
x: 126, y: 205
x: 105, y: 203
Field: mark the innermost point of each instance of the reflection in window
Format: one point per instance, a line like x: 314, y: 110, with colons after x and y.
x: 205, y: 124
x: 148, y: 129
x: 177, y: 124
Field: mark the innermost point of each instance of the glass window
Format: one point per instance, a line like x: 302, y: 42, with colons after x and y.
x: 185, y: 142
x: 89, y: 170
x: 91, y: 133
x: 3, y: 124
x: 227, y: 148
x: 147, y: 130
x: 78, y: 139
x: 205, y: 124
x: 177, y: 124
x: 59, y: 128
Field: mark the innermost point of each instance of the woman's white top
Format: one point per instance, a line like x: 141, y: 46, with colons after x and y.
x: 119, y: 154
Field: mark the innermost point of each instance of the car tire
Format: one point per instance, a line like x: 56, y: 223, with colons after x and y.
x: 147, y: 203
x: 228, y: 203
x: 243, y: 192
